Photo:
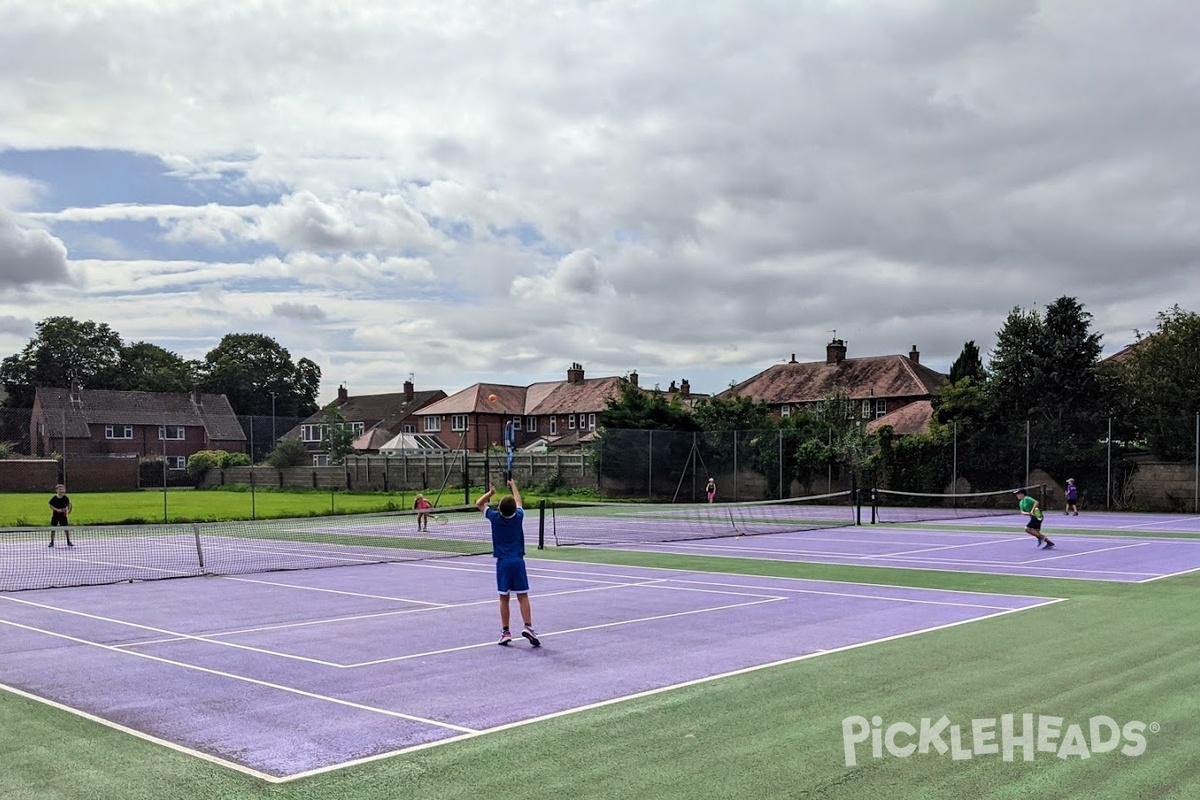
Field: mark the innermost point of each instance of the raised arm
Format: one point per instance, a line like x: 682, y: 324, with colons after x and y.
x: 482, y: 502
x: 516, y: 493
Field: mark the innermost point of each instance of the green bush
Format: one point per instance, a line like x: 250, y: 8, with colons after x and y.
x: 235, y: 460
x: 289, y: 453
x: 202, y: 461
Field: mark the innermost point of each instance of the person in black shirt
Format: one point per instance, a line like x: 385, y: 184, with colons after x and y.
x: 60, y: 508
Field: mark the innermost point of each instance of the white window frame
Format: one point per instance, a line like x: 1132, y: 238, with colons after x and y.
x: 531, y: 424
x: 310, y: 433
x: 570, y: 422
x: 516, y: 423
x: 591, y: 422
x: 320, y: 459
x: 110, y: 432
x: 165, y: 430
x: 459, y: 422
x: 785, y: 411
x: 880, y: 408
x: 433, y: 424
x: 867, y: 406
x: 409, y: 428
x: 554, y: 426
x: 176, y: 462
x: 357, y: 428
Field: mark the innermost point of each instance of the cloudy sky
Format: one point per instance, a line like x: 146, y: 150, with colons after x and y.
x: 490, y: 191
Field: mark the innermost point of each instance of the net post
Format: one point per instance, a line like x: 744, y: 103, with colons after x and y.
x: 855, y: 507
x: 199, y: 549
x: 541, y: 524
x: 874, y: 506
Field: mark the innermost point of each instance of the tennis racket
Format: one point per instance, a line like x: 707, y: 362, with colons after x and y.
x: 438, y: 519
x: 510, y: 442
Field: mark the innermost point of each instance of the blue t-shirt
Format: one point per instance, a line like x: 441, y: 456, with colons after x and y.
x: 508, y: 537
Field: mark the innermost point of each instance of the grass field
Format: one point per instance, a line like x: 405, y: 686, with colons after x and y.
x: 189, y: 505
x: 1129, y: 652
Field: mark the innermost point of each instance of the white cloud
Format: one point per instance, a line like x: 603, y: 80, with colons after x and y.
x: 709, y: 186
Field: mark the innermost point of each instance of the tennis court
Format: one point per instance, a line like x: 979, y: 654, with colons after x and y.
x: 970, y: 540
x: 290, y: 674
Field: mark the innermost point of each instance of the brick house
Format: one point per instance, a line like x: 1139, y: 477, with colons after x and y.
x: 878, y: 386
x: 375, y: 419
x: 145, y: 424
x: 562, y: 413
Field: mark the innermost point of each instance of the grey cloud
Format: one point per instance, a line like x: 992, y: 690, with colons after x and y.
x: 303, y: 312
x: 29, y: 255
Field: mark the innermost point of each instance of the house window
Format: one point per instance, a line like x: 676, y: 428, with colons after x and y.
x: 118, y: 431
x: 866, y: 409
x: 554, y: 426
x: 357, y: 428
x: 171, y: 433
x: 570, y: 422
x: 516, y: 423
x: 410, y: 428
x: 458, y: 422
x: 531, y: 424
x: 310, y: 433
x: 320, y: 459
x: 785, y: 411
x: 433, y: 423
x: 880, y: 408
x: 591, y: 422
x: 176, y: 462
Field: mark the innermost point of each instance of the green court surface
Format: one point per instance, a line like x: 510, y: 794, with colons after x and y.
x: 1128, y: 652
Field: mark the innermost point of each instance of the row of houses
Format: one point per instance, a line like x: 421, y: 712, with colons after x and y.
x: 891, y: 390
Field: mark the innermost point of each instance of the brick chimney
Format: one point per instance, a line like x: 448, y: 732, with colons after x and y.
x: 343, y: 395
x: 633, y: 378
x: 685, y: 388
x: 197, y: 399
x: 835, y: 352
x: 793, y: 361
x: 408, y: 391
x: 914, y: 355
x: 575, y: 373
x: 76, y: 392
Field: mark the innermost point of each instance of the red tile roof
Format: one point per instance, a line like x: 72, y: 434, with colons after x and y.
x: 911, y: 418
x: 860, y: 378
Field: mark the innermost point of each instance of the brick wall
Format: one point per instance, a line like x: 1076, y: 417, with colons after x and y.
x: 28, y: 475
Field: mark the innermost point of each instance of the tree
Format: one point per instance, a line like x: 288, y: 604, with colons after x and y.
x: 147, y: 367
x: 251, y: 368
x: 337, y: 437
x: 289, y: 453
x: 1161, y: 379
x: 969, y: 364
x: 62, y: 351
x: 645, y: 441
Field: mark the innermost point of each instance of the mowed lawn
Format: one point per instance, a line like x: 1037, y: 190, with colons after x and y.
x: 188, y: 505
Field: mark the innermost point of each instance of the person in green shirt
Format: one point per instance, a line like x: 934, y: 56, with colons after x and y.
x: 1029, y: 507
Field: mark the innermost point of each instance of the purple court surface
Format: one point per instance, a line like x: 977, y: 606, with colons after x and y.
x: 992, y: 545
x: 283, y: 675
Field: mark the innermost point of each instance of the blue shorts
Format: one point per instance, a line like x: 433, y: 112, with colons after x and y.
x: 510, y: 575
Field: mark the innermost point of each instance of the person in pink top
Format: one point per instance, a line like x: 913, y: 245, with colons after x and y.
x: 422, y: 505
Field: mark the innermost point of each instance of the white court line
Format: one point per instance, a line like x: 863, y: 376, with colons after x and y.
x: 244, y: 678
x: 1006, y: 540
x: 648, y: 693
x: 1171, y: 575
x: 332, y: 591
x: 492, y: 643
x: 1178, y: 520
x: 1086, y: 553
x: 178, y: 635
x: 931, y: 566
x: 356, y: 617
x: 178, y: 748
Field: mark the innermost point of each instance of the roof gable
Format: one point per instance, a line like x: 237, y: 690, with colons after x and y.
x: 875, y: 376
x: 109, y: 407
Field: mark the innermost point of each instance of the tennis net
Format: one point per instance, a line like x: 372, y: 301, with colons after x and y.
x: 888, y: 506
x: 121, y: 553
x: 577, y: 523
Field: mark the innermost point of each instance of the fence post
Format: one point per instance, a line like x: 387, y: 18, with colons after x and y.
x: 1196, y: 480
x: 650, y: 465
x: 1026, y: 453
x: 780, y: 459
x: 1108, y: 473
